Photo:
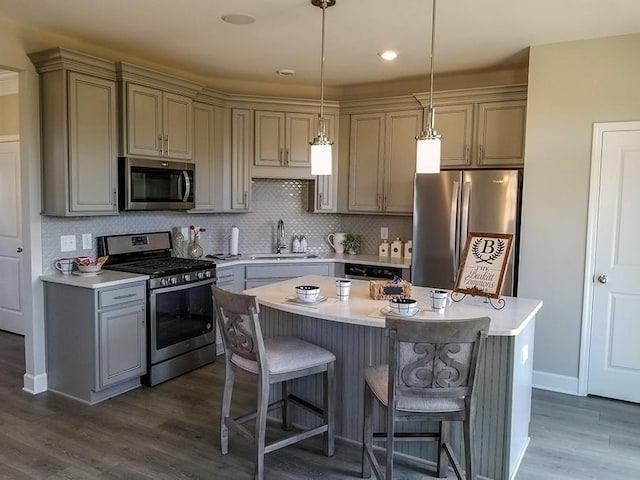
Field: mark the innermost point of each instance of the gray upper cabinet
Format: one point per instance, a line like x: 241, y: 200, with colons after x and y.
x: 500, y: 131
x: 79, y: 133
x: 382, y: 159
x: 282, y: 138
x: 241, y: 154
x: 455, y: 124
x: 323, y: 191
x: 159, y: 124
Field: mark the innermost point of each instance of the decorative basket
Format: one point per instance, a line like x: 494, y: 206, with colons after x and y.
x: 386, y: 289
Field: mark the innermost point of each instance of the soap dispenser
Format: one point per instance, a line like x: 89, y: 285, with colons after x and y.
x: 383, y: 249
x: 396, y: 248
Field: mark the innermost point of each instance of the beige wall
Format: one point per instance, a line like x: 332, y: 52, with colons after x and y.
x: 9, y: 115
x: 571, y: 86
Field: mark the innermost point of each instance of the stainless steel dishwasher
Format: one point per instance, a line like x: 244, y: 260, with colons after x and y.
x: 371, y: 272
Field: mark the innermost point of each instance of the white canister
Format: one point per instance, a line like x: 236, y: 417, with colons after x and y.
x: 304, y: 246
x: 408, y: 247
x: 335, y: 240
x: 383, y: 249
x: 396, y: 248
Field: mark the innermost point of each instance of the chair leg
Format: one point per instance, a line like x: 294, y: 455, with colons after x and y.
x: 225, y: 409
x: 443, y: 459
x: 469, y: 452
x: 286, y: 410
x: 329, y: 410
x: 367, y: 432
x: 391, y: 423
x: 261, y: 425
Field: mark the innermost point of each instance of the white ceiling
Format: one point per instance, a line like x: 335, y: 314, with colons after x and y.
x: 189, y: 34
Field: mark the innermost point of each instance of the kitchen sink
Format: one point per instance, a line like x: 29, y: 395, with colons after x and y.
x: 281, y: 256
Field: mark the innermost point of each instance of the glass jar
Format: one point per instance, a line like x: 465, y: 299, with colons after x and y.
x: 195, y: 250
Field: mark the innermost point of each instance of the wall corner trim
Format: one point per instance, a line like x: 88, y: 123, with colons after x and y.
x: 555, y: 383
x: 35, y: 384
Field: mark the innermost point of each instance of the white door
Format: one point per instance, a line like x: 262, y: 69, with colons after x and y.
x: 10, y: 239
x: 614, y: 361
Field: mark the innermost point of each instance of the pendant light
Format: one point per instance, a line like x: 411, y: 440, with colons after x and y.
x: 321, y: 158
x: 428, y: 142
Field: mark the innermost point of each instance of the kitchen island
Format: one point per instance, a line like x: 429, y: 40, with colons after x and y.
x: 354, y: 331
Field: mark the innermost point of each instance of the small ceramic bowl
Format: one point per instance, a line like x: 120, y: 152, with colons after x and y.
x: 403, y: 306
x: 308, y: 293
x: 89, y: 268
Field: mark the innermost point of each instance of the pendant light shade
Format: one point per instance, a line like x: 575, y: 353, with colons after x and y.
x: 321, y: 154
x: 428, y: 142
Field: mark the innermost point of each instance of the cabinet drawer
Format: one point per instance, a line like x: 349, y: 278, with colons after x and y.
x: 224, y: 276
x: 108, y: 298
x: 286, y: 271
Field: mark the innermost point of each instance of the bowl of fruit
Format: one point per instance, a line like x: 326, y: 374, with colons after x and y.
x: 89, y: 265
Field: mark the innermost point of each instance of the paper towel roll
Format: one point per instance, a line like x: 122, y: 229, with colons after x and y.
x: 233, y: 241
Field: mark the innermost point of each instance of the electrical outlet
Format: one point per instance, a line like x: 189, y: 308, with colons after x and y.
x: 86, y: 241
x: 384, y: 233
x: 67, y: 243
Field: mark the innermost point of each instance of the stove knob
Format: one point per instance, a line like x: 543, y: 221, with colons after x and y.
x: 164, y: 282
x: 173, y: 280
x: 186, y: 277
x: 200, y: 275
x: 208, y: 273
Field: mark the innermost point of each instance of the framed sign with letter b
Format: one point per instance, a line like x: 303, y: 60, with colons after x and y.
x: 483, y: 264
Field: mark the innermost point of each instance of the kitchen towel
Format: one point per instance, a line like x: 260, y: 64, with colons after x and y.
x: 233, y: 240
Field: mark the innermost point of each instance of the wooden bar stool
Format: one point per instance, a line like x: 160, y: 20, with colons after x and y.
x: 273, y: 360
x: 431, y: 376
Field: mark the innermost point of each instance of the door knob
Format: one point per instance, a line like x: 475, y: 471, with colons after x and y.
x: 19, y: 250
x: 603, y: 278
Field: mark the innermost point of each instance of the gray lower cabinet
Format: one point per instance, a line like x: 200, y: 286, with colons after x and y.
x: 96, y: 339
x: 257, y: 275
x: 230, y: 278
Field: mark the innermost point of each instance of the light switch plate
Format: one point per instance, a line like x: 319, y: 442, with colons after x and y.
x: 384, y: 233
x: 86, y: 241
x: 67, y: 243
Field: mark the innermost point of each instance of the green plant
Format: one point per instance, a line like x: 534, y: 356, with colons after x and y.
x: 351, y: 243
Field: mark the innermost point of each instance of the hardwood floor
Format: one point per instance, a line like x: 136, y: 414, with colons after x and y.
x: 171, y: 432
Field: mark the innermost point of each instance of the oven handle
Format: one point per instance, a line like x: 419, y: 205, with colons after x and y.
x: 187, y: 184
x: 175, y: 288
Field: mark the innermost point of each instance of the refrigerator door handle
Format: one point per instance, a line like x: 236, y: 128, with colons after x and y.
x: 464, y: 216
x: 453, y: 251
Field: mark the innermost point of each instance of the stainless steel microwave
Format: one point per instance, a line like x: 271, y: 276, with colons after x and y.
x: 147, y: 184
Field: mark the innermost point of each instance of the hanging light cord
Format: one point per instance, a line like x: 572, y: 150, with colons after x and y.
x: 433, y: 40
x: 323, y: 5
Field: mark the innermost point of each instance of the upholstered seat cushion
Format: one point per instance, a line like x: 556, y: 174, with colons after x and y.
x: 287, y: 354
x: 377, y: 378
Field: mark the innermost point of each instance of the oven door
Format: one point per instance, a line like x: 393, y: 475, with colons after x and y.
x: 180, y: 319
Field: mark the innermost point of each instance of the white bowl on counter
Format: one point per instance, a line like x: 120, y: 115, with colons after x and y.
x: 308, y: 293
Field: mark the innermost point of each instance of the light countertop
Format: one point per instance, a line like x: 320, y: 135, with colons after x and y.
x: 246, y: 259
x: 360, y: 309
x: 107, y: 278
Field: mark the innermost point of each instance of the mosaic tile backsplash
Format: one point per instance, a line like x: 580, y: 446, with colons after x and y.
x: 271, y: 200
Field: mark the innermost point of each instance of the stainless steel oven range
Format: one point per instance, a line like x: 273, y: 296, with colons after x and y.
x: 181, y: 331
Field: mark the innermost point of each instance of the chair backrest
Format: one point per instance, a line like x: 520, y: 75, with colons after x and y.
x: 237, y: 317
x: 437, y: 358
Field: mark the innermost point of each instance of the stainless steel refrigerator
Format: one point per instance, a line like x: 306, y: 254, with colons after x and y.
x: 447, y: 206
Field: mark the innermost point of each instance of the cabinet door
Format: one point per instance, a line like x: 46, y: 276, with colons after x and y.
x: 92, y: 144
x: 176, y: 126
x: 366, y: 151
x: 299, y: 134
x: 144, y: 121
x: 122, y: 350
x: 326, y: 186
x: 500, y: 133
x: 269, y: 139
x: 241, y: 153
x: 455, y: 123
x: 400, y: 160
x: 204, y: 155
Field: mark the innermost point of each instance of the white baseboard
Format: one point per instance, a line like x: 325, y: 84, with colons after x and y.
x: 555, y: 382
x: 34, y: 384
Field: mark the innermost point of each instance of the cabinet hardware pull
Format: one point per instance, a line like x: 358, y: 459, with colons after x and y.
x: 244, y: 199
x: 161, y: 137
x: 480, y: 154
x: 120, y: 297
x: 168, y: 147
x: 286, y: 156
x: 379, y: 201
x: 115, y: 197
x: 467, y: 152
x: 281, y: 157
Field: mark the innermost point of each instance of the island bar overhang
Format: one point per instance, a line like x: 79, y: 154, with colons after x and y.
x: 354, y: 331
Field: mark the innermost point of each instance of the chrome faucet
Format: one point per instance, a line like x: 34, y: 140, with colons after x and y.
x: 281, y: 244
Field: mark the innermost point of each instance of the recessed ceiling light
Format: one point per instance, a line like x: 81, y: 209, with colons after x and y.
x: 286, y: 72
x: 388, y: 55
x: 238, y: 19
